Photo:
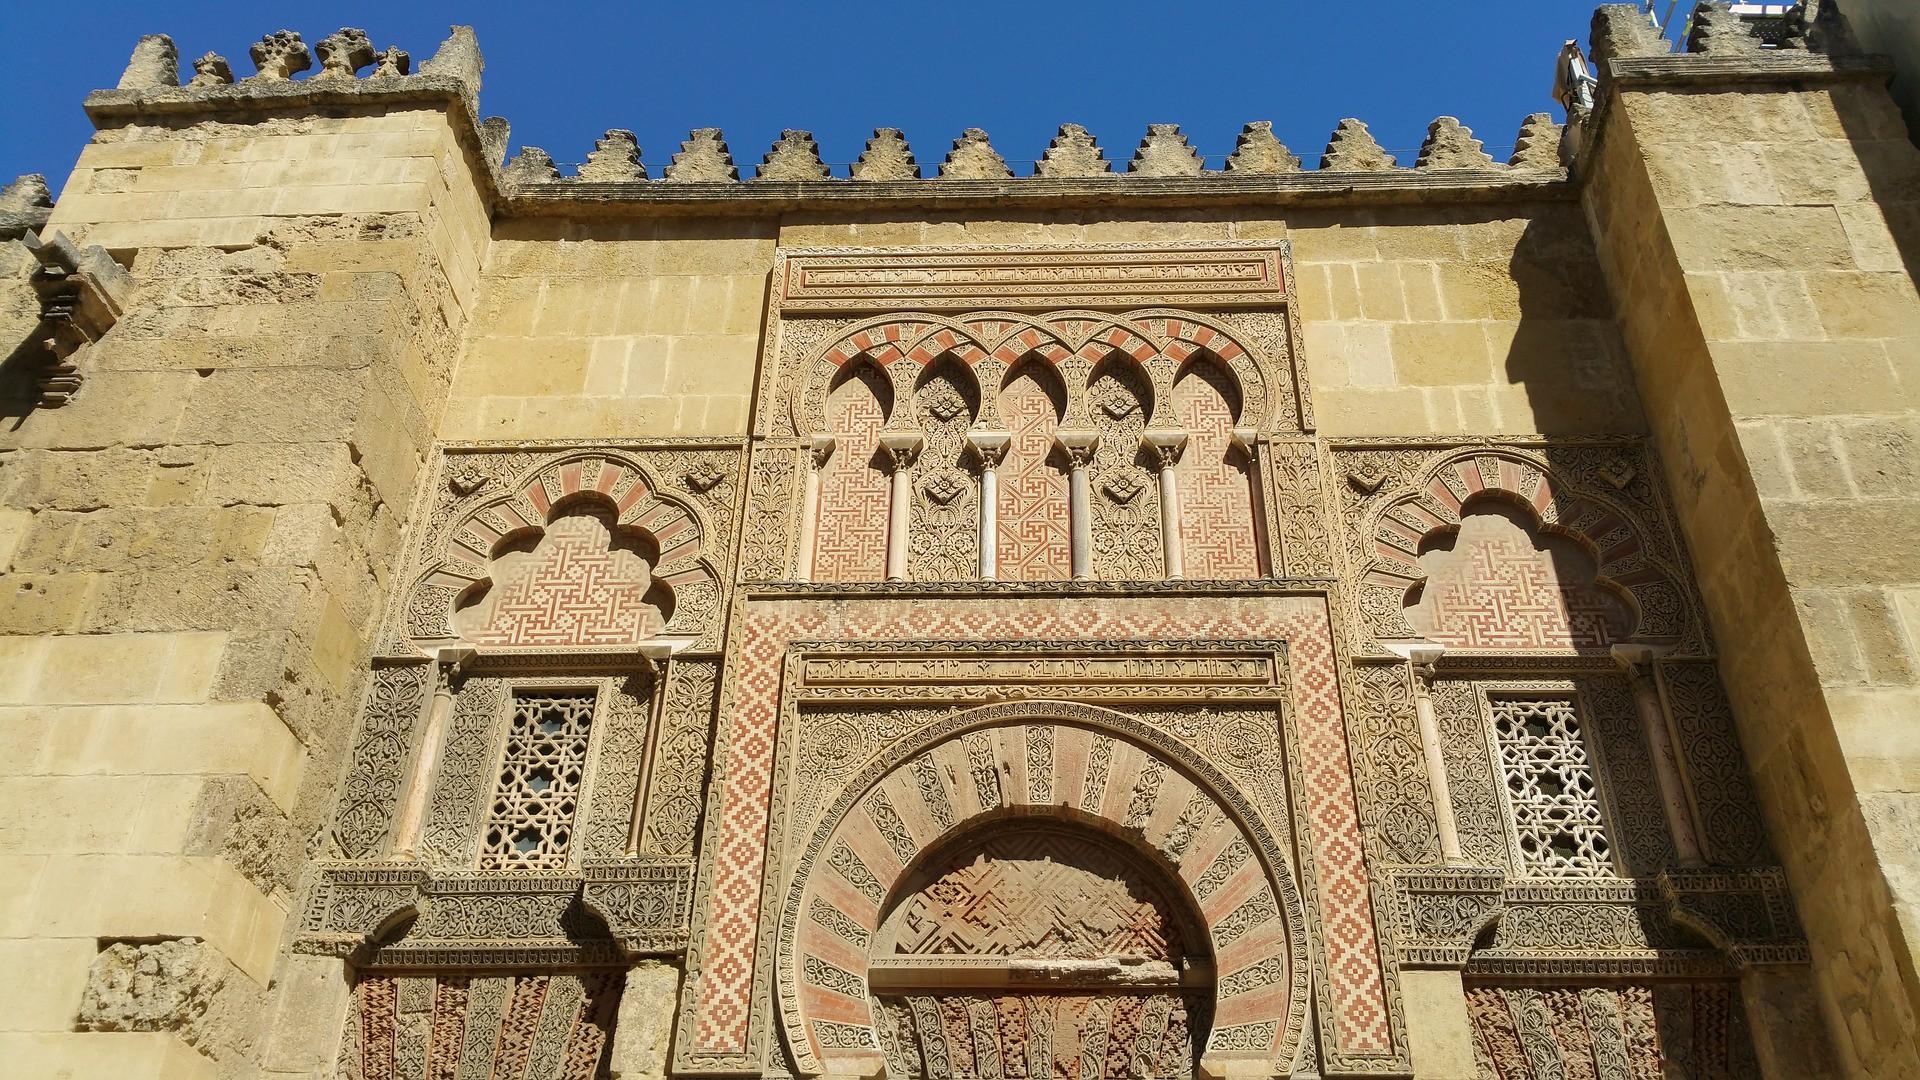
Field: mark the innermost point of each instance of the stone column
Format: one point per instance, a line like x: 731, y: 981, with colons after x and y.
x: 901, y: 449
x: 1165, y: 446
x: 1248, y: 441
x: 1637, y: 662
x: 1423, y: 656
x: 991, y: 448
x: 447, y: 664
x: 1079, y: 446
x: 819, y: 453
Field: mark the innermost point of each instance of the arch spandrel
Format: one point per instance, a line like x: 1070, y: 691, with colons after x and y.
x: 1088, y: 768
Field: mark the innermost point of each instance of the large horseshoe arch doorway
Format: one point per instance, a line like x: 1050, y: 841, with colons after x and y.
x: 1034, y: 947
x: 1041, y: 891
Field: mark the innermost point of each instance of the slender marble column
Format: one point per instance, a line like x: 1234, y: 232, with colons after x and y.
x: 991, y: 448
x: 901, y: 448
x: 1637, y: 662
x: 819, y: 452
x: 413, y: 816
x: 1165, y: 446
x: 1079, y: 447
x: 1424, y: 655
x: 1247, y: 439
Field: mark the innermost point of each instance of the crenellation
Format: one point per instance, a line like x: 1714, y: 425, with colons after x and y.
x: 974, y: 158
x: 1449, y: 145
x: 1257, y: 152
x: 703, y: 159
x: 1716, y: 30
x: 155, y: 63
x: 391, y: 63
x: 615, y: 159
x: 886, y: 157
x: 1537, y: 147
x: 1353, y: 149
x: 794, y: 157
x: 1165, y: 151
x: 1072, y: 153
x: 343, y: 53
x: 211, y: 69
x: 531, y: 165
x: 458, y: 58
x: 279, y: 56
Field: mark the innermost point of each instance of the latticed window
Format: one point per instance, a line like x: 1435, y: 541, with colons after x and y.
x: 1557, y: 819
x: 530, y: 821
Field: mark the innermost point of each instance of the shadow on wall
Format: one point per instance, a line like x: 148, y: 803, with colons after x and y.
x: 1890, y: 162
x: 1566, y: 354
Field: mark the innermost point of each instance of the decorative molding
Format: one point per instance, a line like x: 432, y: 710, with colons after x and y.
x: 1204, y: 275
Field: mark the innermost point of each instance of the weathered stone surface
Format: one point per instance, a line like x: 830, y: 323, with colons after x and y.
x: 1537, y: 148
x: 26, y: 192
x: 155, y: 63
x: 886, y: 157
x: 162, y: 986
x: 1621, y: 31
x: 1448, y: 145
x: 703, y: 159
x: 1257, y: 152
x: 211, y: 69
x: 1352, y: 147
x: 343, y: 53
x: 1164, y: 151
x: 496, y: 134
x: 458, y: 57
x: 391, y: 63
x: 532, y: 165
x: 1717, y: 31
x: 642, y: 1034
x: 974, y: 158
x: 279, y: 56
x: 793, y: 156
x: 615, y: 159
x: 1073, y: 152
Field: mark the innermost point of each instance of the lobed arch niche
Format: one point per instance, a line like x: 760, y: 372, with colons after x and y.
x: 584, y: 554
x: 918, y: 928
x: 1576, y: 571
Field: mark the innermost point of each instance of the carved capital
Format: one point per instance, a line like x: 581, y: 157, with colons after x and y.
x: 1423, y: 655
x: 1747, y: 914
x: 1078, y: 444
x: 1636, y: 659
x: 820, y: 450
x: 989, y: 446
x: 1164, y: 447
x: 902, y: 447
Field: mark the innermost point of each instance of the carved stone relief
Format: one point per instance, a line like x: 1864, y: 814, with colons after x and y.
x: 458, y: 1026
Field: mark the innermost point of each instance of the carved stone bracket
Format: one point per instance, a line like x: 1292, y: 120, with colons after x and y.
x: 82, y: 294
x: 1440, y: 911
x: 1746, y: 913
x: 388, y: 914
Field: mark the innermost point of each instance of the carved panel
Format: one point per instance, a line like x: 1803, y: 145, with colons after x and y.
x: 582, y: 584
x: 1716, y: 768
x: 1297, y: 521
x: 1125, y: 496
x: 370, y: 791
x: 680, y: 759
x: 1501, y: 587
x: 1043, y: 1036
x: 944, y: 527
x: 452, y: 833
x: 1479, y: 809
x: 1204, y: 275
x: 556, y: 1027
x: 1390, y: 769
x: 1631, y: 1031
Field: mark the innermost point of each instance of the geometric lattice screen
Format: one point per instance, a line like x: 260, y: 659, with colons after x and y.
x: 1556, y: 807
x: 530, y: 821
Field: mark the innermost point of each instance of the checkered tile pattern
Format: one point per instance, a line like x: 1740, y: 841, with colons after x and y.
x: 723, y: 994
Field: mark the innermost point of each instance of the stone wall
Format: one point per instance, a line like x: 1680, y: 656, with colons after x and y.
x: 1760, y: 238
x: 198, y: 544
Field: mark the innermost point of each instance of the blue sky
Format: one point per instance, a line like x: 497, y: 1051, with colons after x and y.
x: 563, y: 72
